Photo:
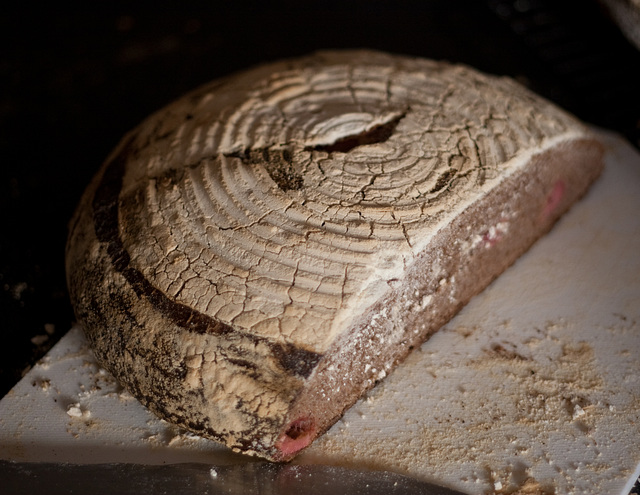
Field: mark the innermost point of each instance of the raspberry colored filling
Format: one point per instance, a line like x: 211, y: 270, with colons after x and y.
x: 297, y: 436
x: 554, y: 198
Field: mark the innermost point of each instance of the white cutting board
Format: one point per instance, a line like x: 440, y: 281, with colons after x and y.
x: 534, y: 386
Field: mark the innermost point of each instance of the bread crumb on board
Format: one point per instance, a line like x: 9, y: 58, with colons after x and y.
x: 545, y: 389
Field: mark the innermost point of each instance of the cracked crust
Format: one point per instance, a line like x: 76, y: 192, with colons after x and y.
x: 241, y: 245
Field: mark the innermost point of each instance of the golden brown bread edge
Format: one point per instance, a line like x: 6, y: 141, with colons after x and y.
x: 138, y: 332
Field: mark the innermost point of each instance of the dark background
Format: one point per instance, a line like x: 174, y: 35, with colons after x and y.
x: 74, y: 80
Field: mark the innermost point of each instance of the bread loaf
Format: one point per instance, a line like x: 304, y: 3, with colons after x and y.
x: 255, y: 256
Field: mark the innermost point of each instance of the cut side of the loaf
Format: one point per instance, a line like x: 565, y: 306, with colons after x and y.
x: 255, y: 256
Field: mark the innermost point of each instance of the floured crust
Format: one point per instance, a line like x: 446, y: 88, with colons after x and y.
x: 240, y: 242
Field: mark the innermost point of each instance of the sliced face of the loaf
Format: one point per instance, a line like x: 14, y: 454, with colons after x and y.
x: 255, y: 256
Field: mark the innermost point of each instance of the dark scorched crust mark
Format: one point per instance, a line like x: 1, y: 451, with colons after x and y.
x: 293, y: 359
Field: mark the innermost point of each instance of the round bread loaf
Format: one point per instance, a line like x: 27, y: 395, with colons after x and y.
x: 253, y: 257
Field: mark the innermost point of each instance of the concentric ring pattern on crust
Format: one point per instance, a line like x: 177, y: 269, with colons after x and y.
x: 281, y: 247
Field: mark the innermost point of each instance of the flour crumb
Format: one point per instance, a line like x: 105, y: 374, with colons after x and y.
x: 75, y: 411
x: 213, y: 473
x: 578, y: 411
